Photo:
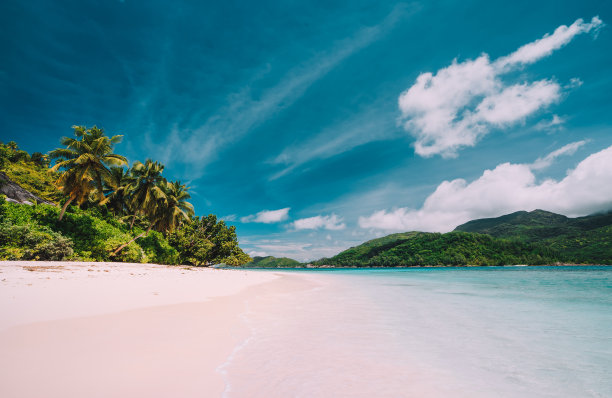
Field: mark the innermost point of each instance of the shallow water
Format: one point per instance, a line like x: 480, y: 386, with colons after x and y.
x: 460, y: 332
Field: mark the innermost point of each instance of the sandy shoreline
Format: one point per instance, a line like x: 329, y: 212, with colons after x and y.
x: 111, y: 329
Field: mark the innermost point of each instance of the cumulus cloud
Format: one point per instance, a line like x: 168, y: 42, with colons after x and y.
x: 268, y: 216
x: 462, y: 102
x: 297, y: 250
x: 507, y: 188
x: 330, y: 222
x: 569, y: 149
x: 229, y: 217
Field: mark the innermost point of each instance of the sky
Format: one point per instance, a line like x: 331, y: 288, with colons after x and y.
x: 314, y: 126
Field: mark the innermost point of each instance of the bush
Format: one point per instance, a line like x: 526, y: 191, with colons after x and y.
x: 92, y: 238
x: 157, y: 249
x: 32, y: 242
x: 206, y: 241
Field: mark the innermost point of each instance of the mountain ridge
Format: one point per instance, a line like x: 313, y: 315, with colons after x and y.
x: 534, y: 238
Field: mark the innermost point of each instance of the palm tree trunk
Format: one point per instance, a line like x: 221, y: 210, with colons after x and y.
x: 126, y: 244
x: 64, y: 208
x: 132, y: 222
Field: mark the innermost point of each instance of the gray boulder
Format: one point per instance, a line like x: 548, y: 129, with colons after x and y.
x: 15, y: 193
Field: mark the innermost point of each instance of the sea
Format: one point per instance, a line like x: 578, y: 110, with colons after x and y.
x: 429, y: 332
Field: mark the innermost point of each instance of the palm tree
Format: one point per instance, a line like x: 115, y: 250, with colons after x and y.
x: 146, y: 189
x: 39, y: 159
x: 147, y: 195
x: 85, y: 162
x: 166, y: 213
x: 175, y: 210
x: 118, y: 191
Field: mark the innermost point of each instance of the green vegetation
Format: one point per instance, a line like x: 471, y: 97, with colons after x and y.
x: 134, y: 214
x: 536, y: 225
x: 121, y: 214
x: 534, y: 238
x: 30, y: 173
x: 578, y: 240
x: 273, y: 262
x: 84, y: 164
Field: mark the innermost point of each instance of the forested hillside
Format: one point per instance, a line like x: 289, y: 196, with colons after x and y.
x: 534, y: 238
x: 273, y: 262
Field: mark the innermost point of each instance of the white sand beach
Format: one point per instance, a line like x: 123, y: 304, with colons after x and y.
x: 122, y: 330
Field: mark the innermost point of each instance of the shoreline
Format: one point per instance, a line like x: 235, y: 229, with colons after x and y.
x: 332, y: 267
x: 113, y: 336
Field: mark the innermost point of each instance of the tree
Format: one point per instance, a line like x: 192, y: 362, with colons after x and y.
x: 39, y: 159
x: 175, y: 210
x: 205, y: 241
x: 145, y: 191
x: 118, y: 191
x: 147, y: 196
x: 85, y: 163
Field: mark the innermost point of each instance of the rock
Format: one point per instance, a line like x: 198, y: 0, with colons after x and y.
x: 15, y: 193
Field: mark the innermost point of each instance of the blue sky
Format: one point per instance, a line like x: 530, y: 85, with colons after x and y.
x: 313, y: 126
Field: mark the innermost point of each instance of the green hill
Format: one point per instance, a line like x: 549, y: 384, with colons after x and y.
x: 430, y: 249
x: 585, y: 239
x: 273, y: 262
x: 535, y: 225
x: 537, y: 237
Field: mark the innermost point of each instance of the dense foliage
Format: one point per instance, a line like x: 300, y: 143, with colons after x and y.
x: 206, y: 241
x: 536, y: 225
x: 122, y: 214
x: 30, y: 172
x: 577, y: 240
x: 26, y: 242
x: 273, y: 262
x: 533, y: 238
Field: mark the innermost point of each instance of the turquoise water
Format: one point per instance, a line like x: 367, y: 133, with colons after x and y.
x: 460, y: 332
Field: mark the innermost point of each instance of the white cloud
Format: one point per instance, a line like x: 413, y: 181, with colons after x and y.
x: 516, y: 102
x: 532, y: 52
x: 286, y: 247
x: 507, y: 188
x: 462, y: 102
x: 556, y: 123
x: 268, y: 216
x: 331, y: 222
x: 569, y: 149
x: 574, y: 82
x: 229, y: 217
x: 298, y: 251
x: 255, y: 253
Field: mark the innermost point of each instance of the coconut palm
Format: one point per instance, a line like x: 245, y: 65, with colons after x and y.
x: 146, y: 189
x: 147, y: 195
x: 39, y: 159
x: 118, y: 191
x: 85, y: 161
x: 175, y: 210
